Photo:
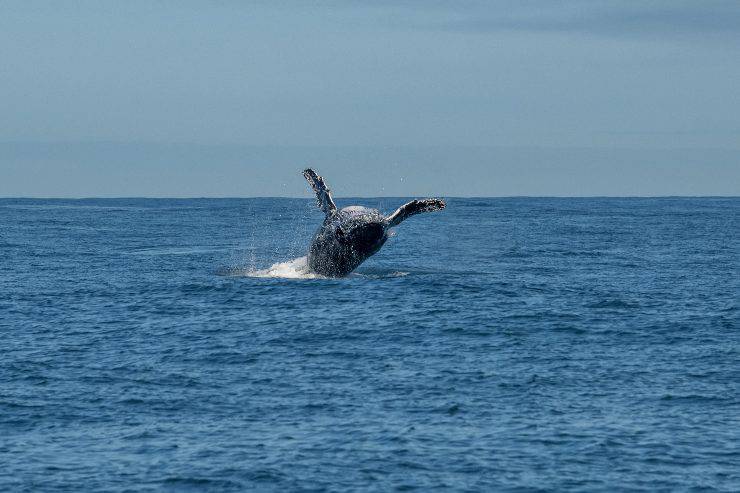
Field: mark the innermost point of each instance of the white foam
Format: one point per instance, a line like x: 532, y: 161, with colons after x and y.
x: 298, y: 269
x: 292, y: 269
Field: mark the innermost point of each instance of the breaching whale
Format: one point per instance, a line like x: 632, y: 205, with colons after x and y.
x: 350, y: 235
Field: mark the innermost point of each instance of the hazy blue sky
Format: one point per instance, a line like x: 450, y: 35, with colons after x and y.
x: 232, y: 98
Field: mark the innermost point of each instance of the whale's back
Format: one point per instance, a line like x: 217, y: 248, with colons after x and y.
x: 355, y: 212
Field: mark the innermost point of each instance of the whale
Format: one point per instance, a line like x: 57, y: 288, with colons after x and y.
x: 351, y: 235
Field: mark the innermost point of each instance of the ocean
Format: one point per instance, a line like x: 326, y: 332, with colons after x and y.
x: 503, y: 344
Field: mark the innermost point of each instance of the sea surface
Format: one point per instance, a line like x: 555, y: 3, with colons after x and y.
x: 508, y: 344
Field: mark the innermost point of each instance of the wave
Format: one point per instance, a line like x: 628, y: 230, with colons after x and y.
x: 193, y: 250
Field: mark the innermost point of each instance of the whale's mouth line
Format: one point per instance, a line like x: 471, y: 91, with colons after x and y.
x: 364, y: 236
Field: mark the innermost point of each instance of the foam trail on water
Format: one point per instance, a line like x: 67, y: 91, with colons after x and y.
x: 292, y: 269
x: 298, y: 269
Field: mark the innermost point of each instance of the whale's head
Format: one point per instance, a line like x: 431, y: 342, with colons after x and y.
x: 361, y: 228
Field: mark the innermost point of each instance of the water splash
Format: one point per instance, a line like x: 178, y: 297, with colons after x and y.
x: 292, y: 269
x: 298, y: 269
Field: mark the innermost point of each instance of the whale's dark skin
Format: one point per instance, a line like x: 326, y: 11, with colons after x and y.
x: 350, y: 235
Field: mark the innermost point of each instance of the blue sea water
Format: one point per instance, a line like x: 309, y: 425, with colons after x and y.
x: 512, y: 344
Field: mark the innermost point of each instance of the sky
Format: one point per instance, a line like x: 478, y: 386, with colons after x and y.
x: 384, y: 98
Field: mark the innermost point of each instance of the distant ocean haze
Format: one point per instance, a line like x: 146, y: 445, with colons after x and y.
x: 191, y: 170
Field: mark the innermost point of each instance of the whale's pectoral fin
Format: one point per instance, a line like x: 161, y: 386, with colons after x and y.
x: 323, y: 194
x: 414, y: 207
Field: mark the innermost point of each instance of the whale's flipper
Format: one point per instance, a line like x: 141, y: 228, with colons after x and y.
x: 414, y: 207
x: 323, y: 194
